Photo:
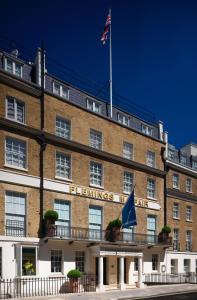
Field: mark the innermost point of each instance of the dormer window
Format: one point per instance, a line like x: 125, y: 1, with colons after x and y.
x: 13, y: 67
x: 123, y: 119
x: 93, y: 106
x: 60, y: 90
x: 183, y: 160
x: 147, y: 130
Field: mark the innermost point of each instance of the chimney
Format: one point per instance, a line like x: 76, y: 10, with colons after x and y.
x: 161, y: 130
x: 38, y: 67
x: 166, y: 142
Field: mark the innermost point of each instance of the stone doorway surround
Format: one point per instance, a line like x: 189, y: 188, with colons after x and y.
x: 100, y: 253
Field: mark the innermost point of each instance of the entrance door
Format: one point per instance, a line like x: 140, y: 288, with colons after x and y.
x: 105, y: 262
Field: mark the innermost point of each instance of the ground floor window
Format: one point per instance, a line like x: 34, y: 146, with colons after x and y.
x: 174, y: 266
x: 135, y: 263
x: 28, y: 261
x: 80, y: 260
x: 0, y: 262
x: 155, y: 262
x: 56, y: 261
x: 186, y: 265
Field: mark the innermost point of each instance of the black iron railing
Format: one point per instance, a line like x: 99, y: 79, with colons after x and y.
x: 34, y: 286
x: 76, y: 233
x: 154, y: 279
x: 15, y: 228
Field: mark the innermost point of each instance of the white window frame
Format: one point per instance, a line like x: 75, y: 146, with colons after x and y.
x: 26, y: 152
x: 147, y: 129
x: 174, y: 266
x: 126, y: 183
x: 95, y: 228
x: 123, y: 119
x: 20, y: 252
x: 176, y: 183
x: 66, y: 121
x: 150, y: 159
x: 189, y: 185
x: 61, y: 87
x: 188, y: 239
x: 13, y: 67
x: 176, y: 210
x: 150, y: 190
x: 186, y: 268
x: 102, y: 174
x: 91, y: 105
x: 80, y: 261
x: 126, y: 152
x: 15, y: 214
x: 70, y: 172
x: 189, y: 213
x: 176, y: 238
x: 61, y: 263
x: 16, y: 101
x: 98, y: 134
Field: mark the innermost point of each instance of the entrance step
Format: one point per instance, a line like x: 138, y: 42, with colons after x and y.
x: 131, y: 286
x: 111, y: 287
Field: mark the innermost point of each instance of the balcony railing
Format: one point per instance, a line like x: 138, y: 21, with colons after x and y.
x: 15, y: 228
x: 75, y: 233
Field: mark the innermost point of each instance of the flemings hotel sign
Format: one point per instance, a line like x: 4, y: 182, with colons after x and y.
x: 103, y: 195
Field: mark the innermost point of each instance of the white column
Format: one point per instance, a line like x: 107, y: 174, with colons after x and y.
x: 100, y: 273
x: 121, y: 273
x: 139, y: 283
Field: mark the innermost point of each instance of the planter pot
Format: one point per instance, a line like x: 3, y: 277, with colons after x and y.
x: 113, y: 234
x: 74, y: 285
x: 163, y: 237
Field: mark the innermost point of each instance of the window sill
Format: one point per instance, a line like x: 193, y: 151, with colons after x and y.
x: 189, y: 192
x: 16, y: 168
x: 63, y: 179
x: 176, y: 188
x: 178, y: 219
x: 13, y: 120
x: 150, y: 198
x: 190, y: 221
x: 57, y: 274
x: 97, y: 186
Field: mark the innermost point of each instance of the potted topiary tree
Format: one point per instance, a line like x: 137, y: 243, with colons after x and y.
x: 164, y: 234
x: 113, y: 230
x: 74, y: 283
x: 50, y: 217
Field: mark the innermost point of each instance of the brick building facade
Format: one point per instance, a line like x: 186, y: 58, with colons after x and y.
x: 61, y: 151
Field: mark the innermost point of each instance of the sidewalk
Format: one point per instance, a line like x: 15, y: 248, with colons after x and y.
x: 128, y: 294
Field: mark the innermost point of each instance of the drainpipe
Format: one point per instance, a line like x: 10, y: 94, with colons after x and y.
x: 42, y: 139
x: 164, y: 157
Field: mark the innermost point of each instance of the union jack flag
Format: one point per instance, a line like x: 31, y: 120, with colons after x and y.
x: 106, y: 29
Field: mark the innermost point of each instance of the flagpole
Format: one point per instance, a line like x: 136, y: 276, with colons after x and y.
x: 110, y: 68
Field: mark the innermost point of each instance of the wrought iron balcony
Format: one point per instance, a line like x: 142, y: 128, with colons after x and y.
x: 86, y: 234
x: 15, y: 228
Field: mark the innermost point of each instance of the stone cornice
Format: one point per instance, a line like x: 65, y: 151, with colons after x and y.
x: 180, y: 195
x: 20, y: 84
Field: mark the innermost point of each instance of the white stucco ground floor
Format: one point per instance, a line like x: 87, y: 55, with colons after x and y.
x: 115, y: 265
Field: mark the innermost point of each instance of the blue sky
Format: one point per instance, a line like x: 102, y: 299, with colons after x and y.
x: 154, y: 50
